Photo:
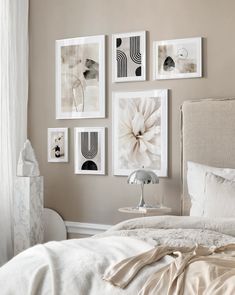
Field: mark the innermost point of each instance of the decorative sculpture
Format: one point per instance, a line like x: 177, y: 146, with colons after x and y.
x: 27, y: 164
x: 28, y: 201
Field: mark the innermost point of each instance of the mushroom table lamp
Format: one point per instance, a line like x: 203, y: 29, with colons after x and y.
x: 142, y: 177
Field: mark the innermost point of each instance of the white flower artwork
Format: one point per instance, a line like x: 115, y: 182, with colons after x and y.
x: 140, y: 131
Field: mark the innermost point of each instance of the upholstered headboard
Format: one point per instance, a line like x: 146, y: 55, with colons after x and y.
x: 207, y: 137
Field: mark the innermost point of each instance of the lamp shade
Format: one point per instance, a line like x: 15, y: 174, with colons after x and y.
x: 142, y: 176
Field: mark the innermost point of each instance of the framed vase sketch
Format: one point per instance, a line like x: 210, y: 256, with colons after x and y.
x: 175, y: 59
x: 140, y: 131
x: 57, y: 142
x: 80, y: 78
x: 129, y: 57
x: 89, y: 150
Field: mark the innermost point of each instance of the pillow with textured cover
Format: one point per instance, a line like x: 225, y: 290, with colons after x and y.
x: 219, y: 196
x: 196, y: 174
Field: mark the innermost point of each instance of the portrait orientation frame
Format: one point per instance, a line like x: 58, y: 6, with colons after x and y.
x: 133, y: 54
x: 89, y: 155
x: 51, y: 146
x: 80, y: 77
x: 187, y: 55
x: 154, y: 107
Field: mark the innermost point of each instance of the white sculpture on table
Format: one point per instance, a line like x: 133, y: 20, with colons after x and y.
x: 27, y: 164
x: 28, y: 201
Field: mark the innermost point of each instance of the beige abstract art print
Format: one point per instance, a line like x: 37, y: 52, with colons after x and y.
x: 175, y: 59
x: 80, y: 78
x: 140, y: 131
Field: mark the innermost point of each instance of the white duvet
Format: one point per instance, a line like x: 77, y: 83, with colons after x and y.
x: 77, y: 266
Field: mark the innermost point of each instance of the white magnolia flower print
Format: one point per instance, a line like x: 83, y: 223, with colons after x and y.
x: 140, y: 133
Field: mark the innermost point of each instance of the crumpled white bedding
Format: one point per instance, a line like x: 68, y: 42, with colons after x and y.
x: 77, y: 266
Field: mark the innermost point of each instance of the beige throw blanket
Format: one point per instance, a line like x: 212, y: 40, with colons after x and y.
x: 194, y: 271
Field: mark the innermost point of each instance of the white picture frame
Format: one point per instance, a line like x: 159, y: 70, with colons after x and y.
x: 57, y: 145
x: 89, y: 150
x: 127, y: 118
x: 128, y: 67
x: 177, y: 59
x: 80, y: 77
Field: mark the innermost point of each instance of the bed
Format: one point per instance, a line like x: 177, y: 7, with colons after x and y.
x: 148, y: 255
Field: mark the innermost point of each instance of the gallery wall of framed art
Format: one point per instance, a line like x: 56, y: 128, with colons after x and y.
x: 139, y: 118
x: 71, y: 194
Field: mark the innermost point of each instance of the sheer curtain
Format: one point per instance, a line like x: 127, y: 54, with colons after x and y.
x: 13, y: 108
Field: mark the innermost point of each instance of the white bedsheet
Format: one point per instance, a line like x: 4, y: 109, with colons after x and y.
x: 77, y: 266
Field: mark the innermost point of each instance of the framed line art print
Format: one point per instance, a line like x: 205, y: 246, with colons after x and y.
x: 57, y: 145
x: 140, y: 130
x: 177, y: 59
x: 80, y: 78
x: 129, y: 57
x: 89, y: 150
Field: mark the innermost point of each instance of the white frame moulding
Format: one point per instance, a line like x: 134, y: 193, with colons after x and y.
x: 83, y: 228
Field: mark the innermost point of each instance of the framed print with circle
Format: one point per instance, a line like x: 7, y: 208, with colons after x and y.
x: 80, y: 78
x: 89, y: 150
x: 129, y: 57
x: 177, y: 59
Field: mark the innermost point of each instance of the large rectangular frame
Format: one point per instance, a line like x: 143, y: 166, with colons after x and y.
x: 163, y: 94
x: 100, y: 40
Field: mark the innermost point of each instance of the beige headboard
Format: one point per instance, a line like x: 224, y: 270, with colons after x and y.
x: 207, y: 137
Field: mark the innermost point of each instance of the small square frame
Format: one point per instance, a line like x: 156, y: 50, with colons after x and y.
x: 50, y: 131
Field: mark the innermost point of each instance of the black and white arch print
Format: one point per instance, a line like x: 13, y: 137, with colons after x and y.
x: 129, y: 57
x: 89, y: 150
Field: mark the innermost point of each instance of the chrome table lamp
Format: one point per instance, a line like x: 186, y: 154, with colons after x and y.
x: 142, y: 177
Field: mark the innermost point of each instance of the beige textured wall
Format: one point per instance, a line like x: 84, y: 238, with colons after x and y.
x: 96, y: 198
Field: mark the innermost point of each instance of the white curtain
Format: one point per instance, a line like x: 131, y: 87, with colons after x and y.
x: 13, y: 108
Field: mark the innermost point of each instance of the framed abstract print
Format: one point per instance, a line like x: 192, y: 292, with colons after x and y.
x: 80, y: 78
x: 129, y: 57
x: 140, y: 131
x: 175, y: 59
x: 57, y: 143
x: 89, y: 150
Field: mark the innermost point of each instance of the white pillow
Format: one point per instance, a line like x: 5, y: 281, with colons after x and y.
x: 196, y: 184
x: 219, y: 196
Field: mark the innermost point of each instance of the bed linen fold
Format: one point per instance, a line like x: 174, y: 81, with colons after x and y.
x: 77, y: 266
x: 215, y: 265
